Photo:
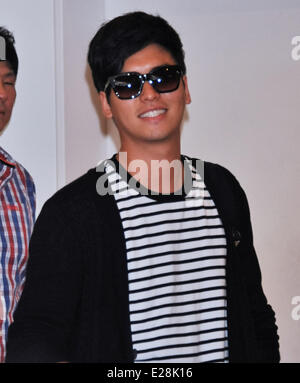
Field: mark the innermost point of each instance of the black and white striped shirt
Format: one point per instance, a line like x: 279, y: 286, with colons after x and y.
x: 176, y: 257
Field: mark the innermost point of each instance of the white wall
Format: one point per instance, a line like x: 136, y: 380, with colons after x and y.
x: 244, y: 114
x: 31, y: 134
x: 85, y: 129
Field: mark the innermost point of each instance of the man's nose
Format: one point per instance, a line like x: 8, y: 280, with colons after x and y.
x: 148, y: 92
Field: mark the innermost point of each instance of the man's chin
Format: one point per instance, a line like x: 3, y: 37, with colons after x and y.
x: 3, y: 124
x: 2, y: 127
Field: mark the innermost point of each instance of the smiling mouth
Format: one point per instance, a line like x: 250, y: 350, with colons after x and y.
x: 153, y: 113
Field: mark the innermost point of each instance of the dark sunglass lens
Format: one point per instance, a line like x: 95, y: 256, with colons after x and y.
x: 127, y: 86
x: 166, y: 79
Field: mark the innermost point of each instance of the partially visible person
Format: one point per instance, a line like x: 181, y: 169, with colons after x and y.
x: 17, y: 201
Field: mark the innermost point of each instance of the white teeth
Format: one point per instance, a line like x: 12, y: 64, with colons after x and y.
x: 153, y: 113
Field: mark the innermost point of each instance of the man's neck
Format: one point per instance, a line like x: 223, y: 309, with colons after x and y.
x: 157, y: 170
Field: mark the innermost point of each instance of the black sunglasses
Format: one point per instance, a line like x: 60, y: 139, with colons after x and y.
x: 129, y: 85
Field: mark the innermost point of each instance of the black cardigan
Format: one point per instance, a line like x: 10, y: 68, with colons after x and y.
x: 75, y: 303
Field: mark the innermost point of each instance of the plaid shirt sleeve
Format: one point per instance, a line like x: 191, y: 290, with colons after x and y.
x: 17, y: 215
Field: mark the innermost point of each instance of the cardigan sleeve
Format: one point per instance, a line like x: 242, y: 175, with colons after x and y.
x: 262, y: 313
x: 44, y: 316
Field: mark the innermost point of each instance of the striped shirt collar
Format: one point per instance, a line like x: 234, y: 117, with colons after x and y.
x: 6, y: 159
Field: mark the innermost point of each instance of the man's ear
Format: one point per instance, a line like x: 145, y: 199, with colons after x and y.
x: 188, y: 98
x: 106, y: 109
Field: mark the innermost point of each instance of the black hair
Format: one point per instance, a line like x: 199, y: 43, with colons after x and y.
x: 125, y: 35
x: 10, y: 52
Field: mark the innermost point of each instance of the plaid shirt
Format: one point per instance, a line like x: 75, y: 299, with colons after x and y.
x: 17, y: 212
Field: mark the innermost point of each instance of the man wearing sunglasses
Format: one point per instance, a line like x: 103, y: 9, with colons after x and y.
x: 123, y: 269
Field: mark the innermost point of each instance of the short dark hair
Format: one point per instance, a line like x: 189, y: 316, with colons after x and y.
x: 125, y: 35
x: 10, y: 52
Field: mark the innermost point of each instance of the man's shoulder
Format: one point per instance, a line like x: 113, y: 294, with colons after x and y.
x: 78, y: 188
x: 8, y: 160
x: 76, y: 195
x: 27, y: 175
x: 6, y: 157
x: 213, y: 171
x: 217, y: 170
x: 226, y: 191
